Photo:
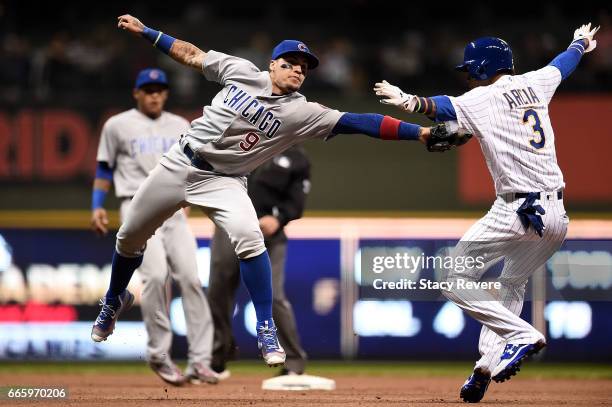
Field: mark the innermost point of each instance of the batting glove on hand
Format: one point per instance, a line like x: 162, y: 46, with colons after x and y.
x: 392, y: 95
x: 585, y: 33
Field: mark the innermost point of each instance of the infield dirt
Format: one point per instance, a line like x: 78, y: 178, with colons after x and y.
x: 145, y: 389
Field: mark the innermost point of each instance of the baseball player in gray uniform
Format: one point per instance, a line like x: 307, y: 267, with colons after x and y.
x: 278, y: 190
x: 527, y: 224
x: 255, y: 116
x: 131, y: 145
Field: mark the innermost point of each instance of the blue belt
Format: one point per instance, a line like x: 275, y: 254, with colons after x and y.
x: 197, y: 161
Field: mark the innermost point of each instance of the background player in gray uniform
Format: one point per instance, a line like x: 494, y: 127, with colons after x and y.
x: 508, y: 114
x: 130, y: 146
x: 278, y: 190
x: 255, y: 116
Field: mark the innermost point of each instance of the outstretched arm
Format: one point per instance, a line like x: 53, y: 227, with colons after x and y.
x: 438, y: 108
x: 439, y: 138
x: 379, y: 126
x: 583, y: 42
x: 181, y: 51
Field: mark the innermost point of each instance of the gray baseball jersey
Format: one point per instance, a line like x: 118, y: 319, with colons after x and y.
x: 245, y: 125
x: 132, y: 144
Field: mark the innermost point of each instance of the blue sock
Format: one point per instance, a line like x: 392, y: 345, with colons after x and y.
x: 257, y: 276
x: 121, y: 272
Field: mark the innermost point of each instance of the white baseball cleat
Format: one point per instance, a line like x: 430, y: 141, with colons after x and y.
x: 198, y: 373
x: 168, y: 372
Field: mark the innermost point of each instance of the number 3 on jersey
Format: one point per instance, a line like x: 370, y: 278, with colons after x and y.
x: 249, y: 141
x: 537, y: 128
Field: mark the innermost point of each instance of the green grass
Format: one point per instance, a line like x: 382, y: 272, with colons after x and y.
x: 329, y: 368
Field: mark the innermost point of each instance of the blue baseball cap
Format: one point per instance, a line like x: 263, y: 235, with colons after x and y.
x: 151, y: 75
x: 295, y: 46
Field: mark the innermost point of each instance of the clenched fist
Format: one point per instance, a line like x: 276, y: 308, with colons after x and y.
x: 131, y: 24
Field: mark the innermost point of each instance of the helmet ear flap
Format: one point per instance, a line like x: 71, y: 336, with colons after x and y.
x: 481, y: 70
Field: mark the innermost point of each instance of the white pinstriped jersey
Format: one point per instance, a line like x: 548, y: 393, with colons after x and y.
x: 510, y: 119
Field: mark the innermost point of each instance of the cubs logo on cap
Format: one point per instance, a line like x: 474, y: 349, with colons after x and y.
x: 295, y: 47
x: 149, y: 76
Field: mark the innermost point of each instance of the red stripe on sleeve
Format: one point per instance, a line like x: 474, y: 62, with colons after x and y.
x: 389, y: 128
x: 426, y: 110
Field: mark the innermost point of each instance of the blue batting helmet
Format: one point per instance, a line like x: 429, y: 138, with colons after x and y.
x: 485, y: 57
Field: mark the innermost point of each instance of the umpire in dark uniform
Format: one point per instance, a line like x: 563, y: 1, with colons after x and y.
x: 278, y: 190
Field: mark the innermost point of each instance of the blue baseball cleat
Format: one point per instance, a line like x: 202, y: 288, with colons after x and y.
x: 513, y: 356
x: 267, y: 341
x: 475, y: 387
x: 111, y: 309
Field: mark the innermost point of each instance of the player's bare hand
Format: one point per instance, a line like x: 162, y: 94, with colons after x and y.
x: 269, y: 225
x: 392, y: 95
x: 130, y: 23
x: 99, y: 221
x: 424, y: 134
x: 584, y: 32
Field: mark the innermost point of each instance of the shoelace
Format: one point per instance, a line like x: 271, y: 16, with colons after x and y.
x: 106, y: 312
x: 269, y: 340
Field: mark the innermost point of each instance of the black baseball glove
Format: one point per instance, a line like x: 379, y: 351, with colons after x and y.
x: 443, y: 138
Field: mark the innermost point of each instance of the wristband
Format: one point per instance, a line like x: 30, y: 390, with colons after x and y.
x: 579, y: 45
x: 161, y: 41
x: 424, y: 106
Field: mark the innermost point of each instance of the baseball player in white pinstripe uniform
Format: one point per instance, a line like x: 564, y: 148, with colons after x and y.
x: 508, y: 114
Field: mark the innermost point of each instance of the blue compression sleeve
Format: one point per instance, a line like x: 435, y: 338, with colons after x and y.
x: 97, y: 198
x: 159, y: 40
x: 377, y: 126
x: 104, y: 171
x: 444, y: 109
x: 568, y: 60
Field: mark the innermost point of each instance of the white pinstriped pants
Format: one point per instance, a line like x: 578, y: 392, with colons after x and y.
x: 501, y: 235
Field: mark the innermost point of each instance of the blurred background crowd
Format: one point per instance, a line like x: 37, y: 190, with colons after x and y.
x: 78, y: 55
x: 65, y: 69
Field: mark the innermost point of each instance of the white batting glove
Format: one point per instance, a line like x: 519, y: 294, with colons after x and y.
x: 585, y: 32
x: 392, y: 95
